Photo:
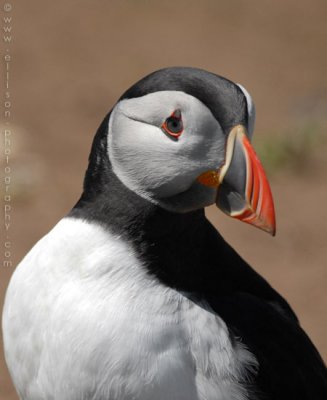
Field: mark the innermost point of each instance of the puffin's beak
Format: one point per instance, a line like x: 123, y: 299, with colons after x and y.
x: 243, y: 191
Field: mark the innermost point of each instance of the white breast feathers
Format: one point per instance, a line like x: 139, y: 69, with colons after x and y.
x: 84, y: 321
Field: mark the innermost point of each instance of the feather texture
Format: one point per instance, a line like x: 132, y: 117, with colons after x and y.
x: 84, y: 321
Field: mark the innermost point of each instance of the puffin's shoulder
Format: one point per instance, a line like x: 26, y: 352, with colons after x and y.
x: 290, y: 367
x: 74, y: 249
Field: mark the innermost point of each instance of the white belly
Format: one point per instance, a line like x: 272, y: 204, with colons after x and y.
x: 83, y: 320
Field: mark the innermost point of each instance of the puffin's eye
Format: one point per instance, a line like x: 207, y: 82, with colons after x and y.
x: 173, y: 125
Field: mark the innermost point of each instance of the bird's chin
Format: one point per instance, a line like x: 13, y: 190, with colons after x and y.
x: 194, y: 198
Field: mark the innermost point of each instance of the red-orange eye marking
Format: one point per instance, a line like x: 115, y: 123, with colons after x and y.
x: 173, y: 125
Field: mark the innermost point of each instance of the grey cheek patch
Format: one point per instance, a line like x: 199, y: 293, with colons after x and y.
x: 156, y: 167
x: 189, y: 200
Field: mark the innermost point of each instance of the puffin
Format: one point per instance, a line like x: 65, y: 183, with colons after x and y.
x: 134, y: 295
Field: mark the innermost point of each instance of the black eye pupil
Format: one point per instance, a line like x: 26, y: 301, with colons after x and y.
x: 175, y: 125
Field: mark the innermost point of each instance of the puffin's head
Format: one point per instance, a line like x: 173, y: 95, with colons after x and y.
x: 180, y: 138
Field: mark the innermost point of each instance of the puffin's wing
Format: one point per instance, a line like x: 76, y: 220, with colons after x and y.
x: 290, y: 367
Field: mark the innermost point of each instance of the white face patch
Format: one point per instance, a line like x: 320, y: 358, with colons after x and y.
x: 151, y: 163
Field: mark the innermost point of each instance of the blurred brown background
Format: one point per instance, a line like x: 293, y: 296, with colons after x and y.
x: 71, y: 61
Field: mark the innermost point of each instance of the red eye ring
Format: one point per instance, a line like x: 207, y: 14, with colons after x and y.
x: 173, y: 125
